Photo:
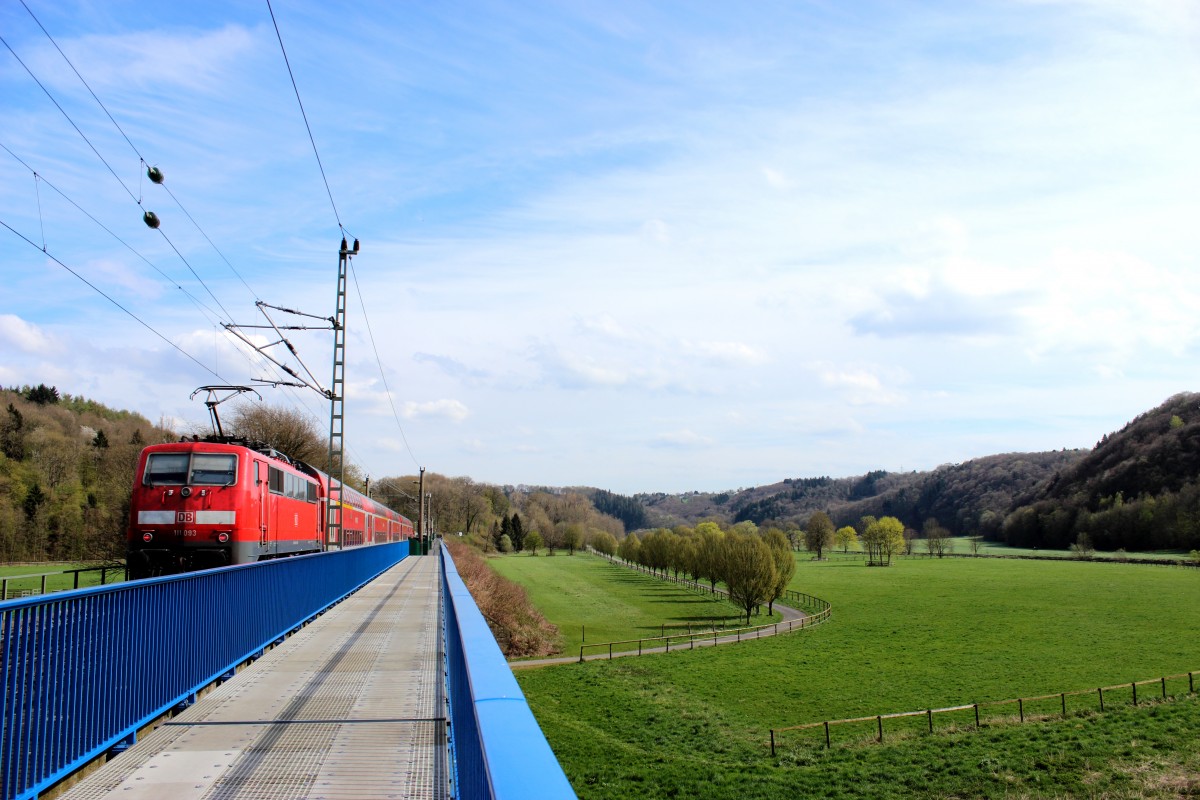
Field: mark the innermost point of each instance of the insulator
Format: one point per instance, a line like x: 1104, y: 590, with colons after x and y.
x: 154, y: 174
x: 343, y: 244
x: 356, y: 245
x: 151, y: 219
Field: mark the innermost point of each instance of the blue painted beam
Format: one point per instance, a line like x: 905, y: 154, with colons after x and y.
x: 500, y: 751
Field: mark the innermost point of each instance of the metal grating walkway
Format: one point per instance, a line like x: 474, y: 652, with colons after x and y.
x: 351, y: 706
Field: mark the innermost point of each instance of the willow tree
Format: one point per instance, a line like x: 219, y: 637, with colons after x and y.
x: 785, y: 565
x: 748, y: 570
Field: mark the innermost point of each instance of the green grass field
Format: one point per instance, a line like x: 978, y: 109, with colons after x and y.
x: 23, y: 580
x: 586, y: 595
x: 919, y: 634
x: 961, y: 545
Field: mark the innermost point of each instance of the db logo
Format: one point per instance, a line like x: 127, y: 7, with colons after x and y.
x: 185, y: 516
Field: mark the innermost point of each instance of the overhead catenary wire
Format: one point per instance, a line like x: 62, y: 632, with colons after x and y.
x: 208, y: 313
x: 303, y: 114
x: 205, y: 310
x: 112, y: 300
x: 71, y: 121
x: 114, y: 174
x: 383, y: 376
x: 337, y: 218
x: 137, y: 152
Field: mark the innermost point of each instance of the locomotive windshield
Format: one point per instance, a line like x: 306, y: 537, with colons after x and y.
x: 205, y: 469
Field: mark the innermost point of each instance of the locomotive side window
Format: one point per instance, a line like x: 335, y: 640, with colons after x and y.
x: 214, y: 469
x: 275, y: 479
x: 166, y: 469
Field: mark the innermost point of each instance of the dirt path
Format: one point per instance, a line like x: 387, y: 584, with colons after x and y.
x: 791, y: 617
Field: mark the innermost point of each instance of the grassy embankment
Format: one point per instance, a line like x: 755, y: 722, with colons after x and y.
x: 587, y: 596
x: 919, y: 634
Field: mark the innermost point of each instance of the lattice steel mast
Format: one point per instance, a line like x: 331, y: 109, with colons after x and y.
x: 337, y: 397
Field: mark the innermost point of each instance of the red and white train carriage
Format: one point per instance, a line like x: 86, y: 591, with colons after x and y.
x: 204, y: 503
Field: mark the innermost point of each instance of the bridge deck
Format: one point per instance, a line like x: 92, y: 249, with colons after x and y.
x: 351, y: 706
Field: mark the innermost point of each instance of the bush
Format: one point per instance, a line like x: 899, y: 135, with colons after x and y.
x: 519, y: 628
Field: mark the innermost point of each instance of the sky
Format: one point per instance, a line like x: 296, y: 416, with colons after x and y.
x: 643, y: 246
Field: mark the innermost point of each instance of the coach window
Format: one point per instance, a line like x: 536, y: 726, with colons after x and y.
x: 214, y: 469
x: 166, y: 469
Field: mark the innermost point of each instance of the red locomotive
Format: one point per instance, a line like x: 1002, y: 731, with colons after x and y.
x: 204, y: 503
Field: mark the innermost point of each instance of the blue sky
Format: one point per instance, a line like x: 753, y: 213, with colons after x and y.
x: 641, y: 246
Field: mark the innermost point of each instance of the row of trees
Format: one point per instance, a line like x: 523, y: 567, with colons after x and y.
x: 755, y: 565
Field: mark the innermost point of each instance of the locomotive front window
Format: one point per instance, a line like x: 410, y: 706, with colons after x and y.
x: 166, y: 469
x: 214, y: 469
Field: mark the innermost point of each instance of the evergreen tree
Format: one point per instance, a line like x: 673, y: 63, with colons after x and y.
x: 34, y: 499
x: 12, y: 439
x: 517, y: 532
x: 42, y: 394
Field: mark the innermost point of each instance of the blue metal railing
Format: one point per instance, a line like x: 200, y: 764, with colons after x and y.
x: 498, y: 749
x: 84, y: 670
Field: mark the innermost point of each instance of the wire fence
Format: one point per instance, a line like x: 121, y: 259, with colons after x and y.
x: 1040, y: 707
x: 816, y: 612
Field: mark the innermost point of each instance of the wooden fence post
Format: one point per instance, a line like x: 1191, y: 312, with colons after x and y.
x: 1021, y: 708
x: 1064, y: 702
x: 1100, y: 692
x: 772, y: 744
x: 879, y: 719
x: 977, y: 715
x: 1134, y: 685
x: 827, y: 745
x: 930, y: 712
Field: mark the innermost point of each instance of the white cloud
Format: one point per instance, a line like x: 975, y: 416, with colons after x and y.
x: 727, y: 353
x: 858, y: 385
x: 17, y: 334
x: 435, y: 409
x: 152, y: 58
x: 776, y: 179
x: 682, y: 439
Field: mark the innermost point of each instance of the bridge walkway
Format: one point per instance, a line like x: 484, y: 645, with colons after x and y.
x: 351, y: 706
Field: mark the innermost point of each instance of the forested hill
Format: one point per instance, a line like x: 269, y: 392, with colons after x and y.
x: 971, y: 498
x: 66, y: 469
x: 1139, y: 488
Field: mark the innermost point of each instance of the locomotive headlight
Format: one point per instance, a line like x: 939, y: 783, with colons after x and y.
x: 222, y: 537
x: 147, y: 537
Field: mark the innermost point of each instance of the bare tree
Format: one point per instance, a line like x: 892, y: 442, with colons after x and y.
x: 818, y: 533
x: 937, y: 538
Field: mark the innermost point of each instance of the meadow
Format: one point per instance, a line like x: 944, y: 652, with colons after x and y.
x: 922, y: 633
x: 25, y: 579
x: 595, y: 601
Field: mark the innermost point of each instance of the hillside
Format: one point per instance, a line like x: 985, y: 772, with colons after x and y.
x: 971, y: 498
x: 1138, y: 489
x: 66, y: 468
